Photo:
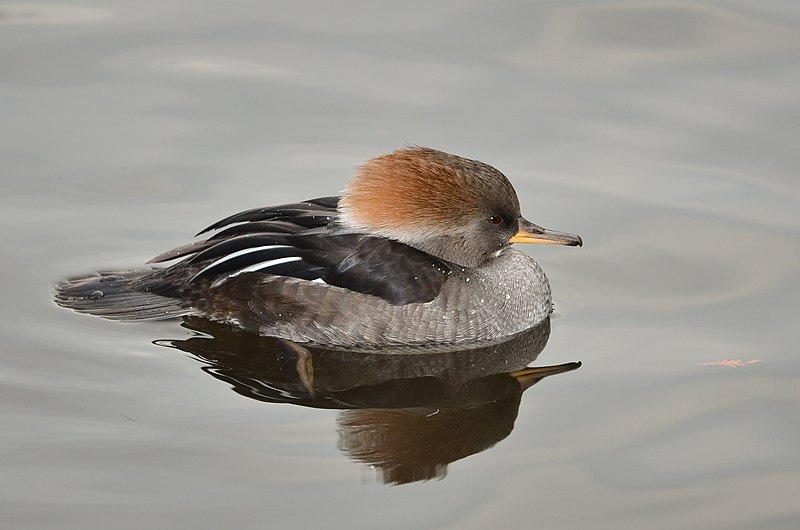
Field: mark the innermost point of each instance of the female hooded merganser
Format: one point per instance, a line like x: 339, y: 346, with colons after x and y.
x: 416, y: 251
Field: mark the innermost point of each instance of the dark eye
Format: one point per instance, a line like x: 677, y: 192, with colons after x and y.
x: 496, y: 220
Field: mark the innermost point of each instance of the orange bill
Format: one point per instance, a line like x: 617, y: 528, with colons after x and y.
x: 531, y: 233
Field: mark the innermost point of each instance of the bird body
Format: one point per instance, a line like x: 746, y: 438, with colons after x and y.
x: 416, y: 251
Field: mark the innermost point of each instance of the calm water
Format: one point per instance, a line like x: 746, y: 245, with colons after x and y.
x: 665, y: 134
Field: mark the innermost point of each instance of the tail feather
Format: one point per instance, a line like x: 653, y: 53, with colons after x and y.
x: 118, y: 296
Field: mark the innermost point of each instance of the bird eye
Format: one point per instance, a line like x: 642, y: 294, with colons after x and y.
x: 496, y: 220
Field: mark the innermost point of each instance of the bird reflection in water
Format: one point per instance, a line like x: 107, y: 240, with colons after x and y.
x: 407, y: 413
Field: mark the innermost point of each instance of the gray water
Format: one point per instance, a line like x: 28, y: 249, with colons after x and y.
x: 665, y: 134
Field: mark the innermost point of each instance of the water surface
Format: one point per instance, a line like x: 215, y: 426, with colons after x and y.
x: 664, y: 134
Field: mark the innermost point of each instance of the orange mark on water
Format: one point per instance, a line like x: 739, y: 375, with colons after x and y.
x: 731, y: 363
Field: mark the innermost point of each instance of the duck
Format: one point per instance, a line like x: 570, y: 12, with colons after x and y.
x: 418, y: 249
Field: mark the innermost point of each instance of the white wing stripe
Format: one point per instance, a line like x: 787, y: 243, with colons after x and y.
x: 256, y: 267
x: 267, y: 264
x: 237, y: 254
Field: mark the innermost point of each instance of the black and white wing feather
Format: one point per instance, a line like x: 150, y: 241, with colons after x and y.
x: 266, y: 245
x: 304, y: 241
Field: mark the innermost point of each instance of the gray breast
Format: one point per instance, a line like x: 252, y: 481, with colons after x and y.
x: 506, y: 296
